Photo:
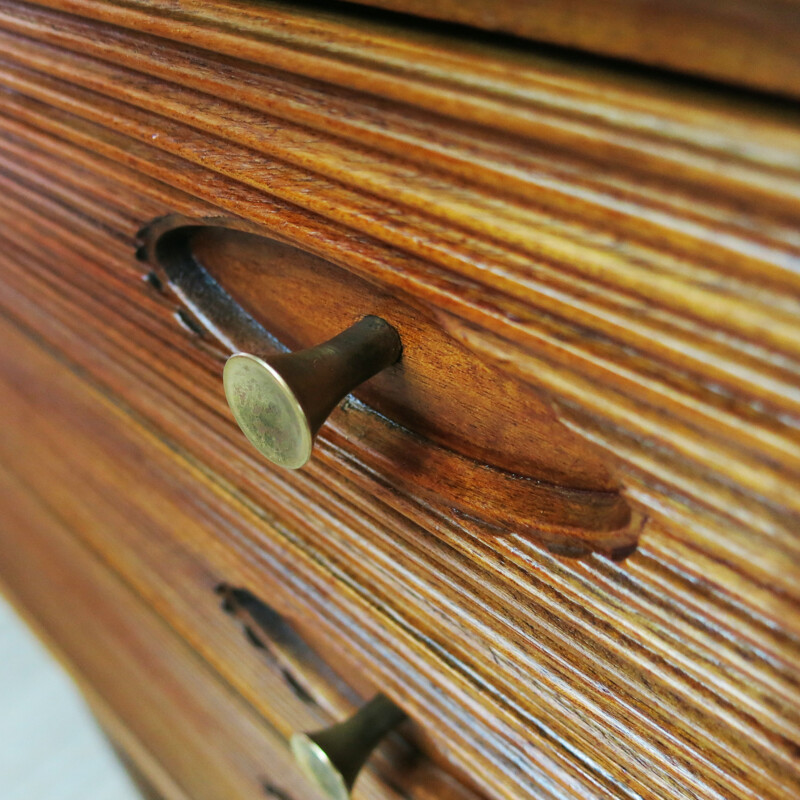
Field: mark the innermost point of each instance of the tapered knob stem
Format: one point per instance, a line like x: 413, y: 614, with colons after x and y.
x: 281, y: 401
x: 332, y: 758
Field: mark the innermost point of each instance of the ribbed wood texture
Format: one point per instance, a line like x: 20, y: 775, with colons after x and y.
x: 169, y: 551
x: 626, y: 245
x: 744, y: 42
x: 206, y: 738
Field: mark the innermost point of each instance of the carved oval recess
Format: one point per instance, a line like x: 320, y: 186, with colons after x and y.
x: 442, y: 425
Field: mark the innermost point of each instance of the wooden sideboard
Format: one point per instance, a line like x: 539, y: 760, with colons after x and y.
x: 561, y: 533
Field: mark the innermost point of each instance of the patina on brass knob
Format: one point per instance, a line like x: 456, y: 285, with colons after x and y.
x: 332, y: 758
x: 281, y: 401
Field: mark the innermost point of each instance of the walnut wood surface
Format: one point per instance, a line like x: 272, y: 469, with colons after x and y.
x: 747, y: 42
x: 439, y: 389
x: 660, y: 613
x: 162, y: 550
x: 208, y: 739
x: 653, y: 295
x: 448, y: 428
x: 633, y: 243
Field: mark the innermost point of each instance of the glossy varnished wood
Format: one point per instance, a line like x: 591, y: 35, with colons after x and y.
x: 438, y: 389
x: 448, y: 427
x: 132, y: 663
x: 623, y: 245
x: 651, y: 605
x: 690, y: 343
x: 166, y: 551
x: 744, y: 42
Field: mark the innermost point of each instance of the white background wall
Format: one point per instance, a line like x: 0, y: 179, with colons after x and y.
x: 50, y: 747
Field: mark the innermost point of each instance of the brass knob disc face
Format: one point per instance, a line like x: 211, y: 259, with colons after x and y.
x: 316, y: 765
x: 267, y: 411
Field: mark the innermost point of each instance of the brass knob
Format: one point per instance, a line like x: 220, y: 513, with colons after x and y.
x: 332, y: 758
x: 281, y: 401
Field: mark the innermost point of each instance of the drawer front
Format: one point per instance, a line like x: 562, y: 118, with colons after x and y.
x: 171, y: 538
x: 630, y: 260
x: 194, y: 736
x: 622, y: 246
x: 750, y: 43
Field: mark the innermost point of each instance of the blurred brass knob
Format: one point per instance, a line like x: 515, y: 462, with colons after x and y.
x: 332, y: 758
x: 281, y: 401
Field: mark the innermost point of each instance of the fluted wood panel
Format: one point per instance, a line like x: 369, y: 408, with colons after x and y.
x: 743, y: 42
x: 80, y: 453
x: 175, y: 711
x: 627, y: 245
